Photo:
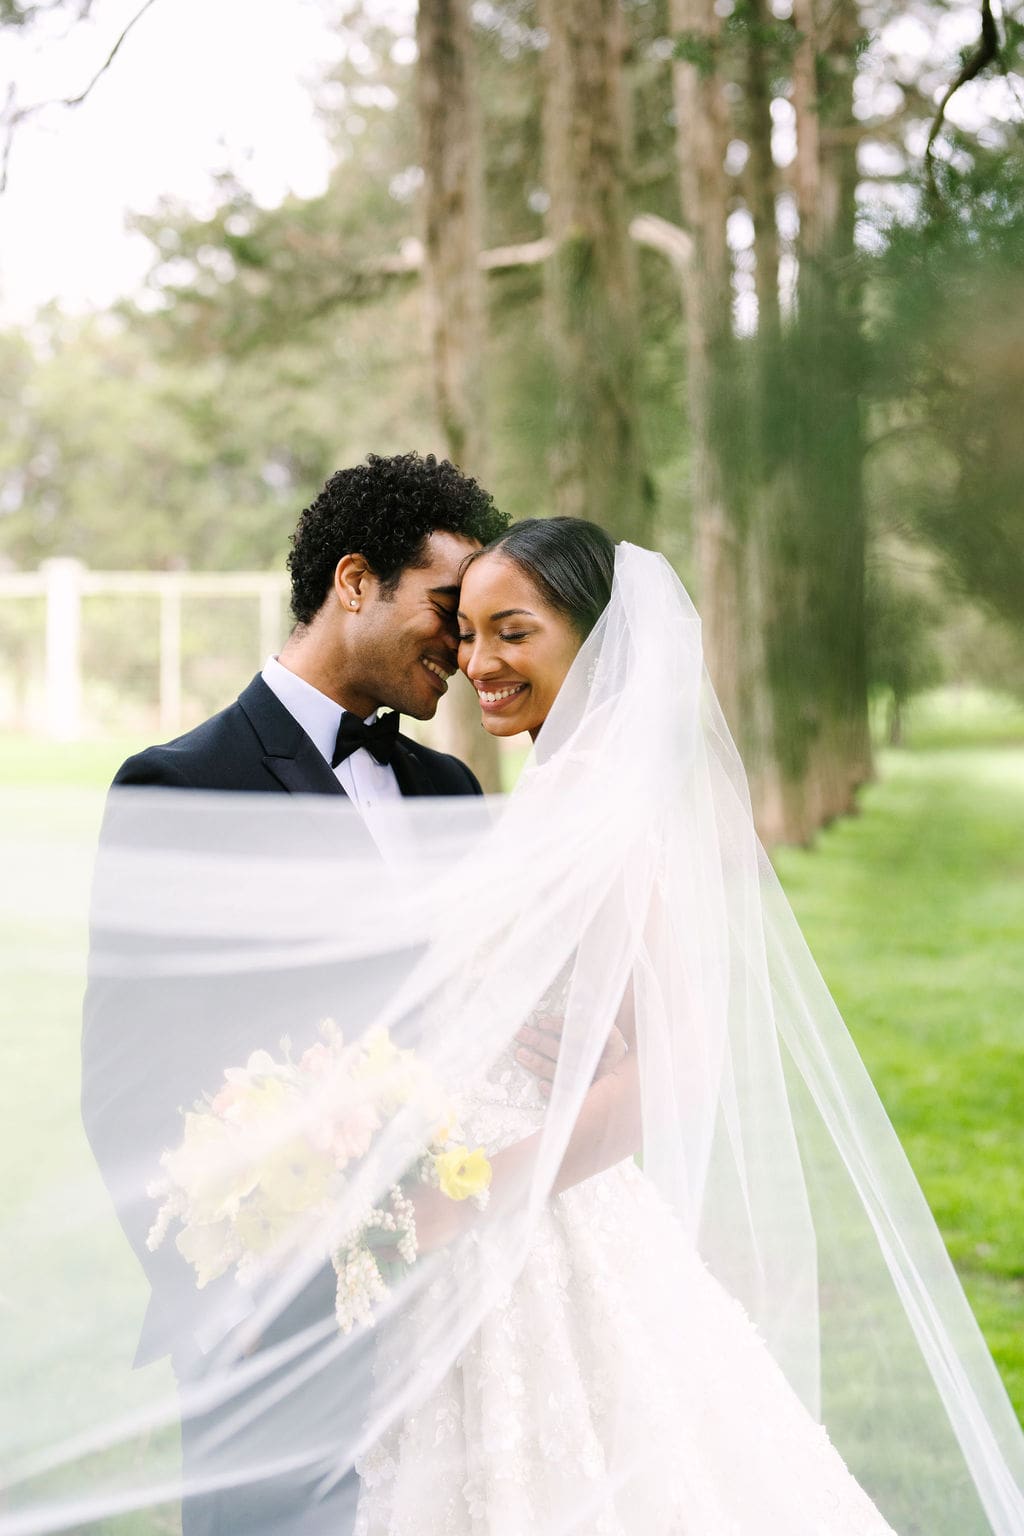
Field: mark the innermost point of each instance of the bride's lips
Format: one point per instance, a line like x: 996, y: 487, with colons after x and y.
x: 499, y: 696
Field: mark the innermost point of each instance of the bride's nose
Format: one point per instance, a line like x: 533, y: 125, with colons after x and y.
x: 481, y: 662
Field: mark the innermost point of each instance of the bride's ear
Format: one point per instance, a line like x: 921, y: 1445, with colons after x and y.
x: 351, y: 580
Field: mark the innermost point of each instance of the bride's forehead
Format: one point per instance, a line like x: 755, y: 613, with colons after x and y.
x: 491, y: 578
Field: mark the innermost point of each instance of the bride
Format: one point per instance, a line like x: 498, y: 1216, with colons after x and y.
x: 617, y: 1385
x: 705, y: 1296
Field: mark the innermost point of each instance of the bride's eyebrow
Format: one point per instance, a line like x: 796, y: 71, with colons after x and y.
x: 506, y: 613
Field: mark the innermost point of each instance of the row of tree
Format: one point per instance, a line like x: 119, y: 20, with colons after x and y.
x: 675, y: 265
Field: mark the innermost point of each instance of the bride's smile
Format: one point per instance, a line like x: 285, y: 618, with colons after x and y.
x: 518, y: 637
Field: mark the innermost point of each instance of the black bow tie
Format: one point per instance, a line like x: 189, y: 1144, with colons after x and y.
x: 379, y: 739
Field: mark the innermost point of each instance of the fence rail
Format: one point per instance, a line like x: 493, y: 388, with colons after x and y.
x: 64, y: 583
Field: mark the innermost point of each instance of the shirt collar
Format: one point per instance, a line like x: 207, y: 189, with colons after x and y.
x: 318, y: 715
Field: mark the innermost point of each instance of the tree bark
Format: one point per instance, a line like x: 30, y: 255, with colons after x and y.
x: 597, y: 465
x: 773, y: 731
x: 829, y: 299
x: 702, y: 138
x: 453, y: 287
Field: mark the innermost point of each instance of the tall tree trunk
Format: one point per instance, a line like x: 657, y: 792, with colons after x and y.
x: 774, y: 426
x: 702, y: 138
x: 772, y: 579
x: 761, y: 178
x: 597, y: 464
x: 831, y: 461
x: 449, y: 128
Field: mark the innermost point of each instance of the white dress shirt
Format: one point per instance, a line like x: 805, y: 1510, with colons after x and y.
x: 364, y: 780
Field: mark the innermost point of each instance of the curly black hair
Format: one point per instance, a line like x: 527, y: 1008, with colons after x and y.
x: 384, y: 510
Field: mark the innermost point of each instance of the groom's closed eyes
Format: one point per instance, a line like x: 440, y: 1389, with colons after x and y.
x: 444, y: 600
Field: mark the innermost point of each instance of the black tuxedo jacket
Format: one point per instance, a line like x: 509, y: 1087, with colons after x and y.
x: 151, y: 1048
x: 255, y: 744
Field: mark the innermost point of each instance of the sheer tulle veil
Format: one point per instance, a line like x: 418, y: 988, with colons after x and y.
x: 624, y: 866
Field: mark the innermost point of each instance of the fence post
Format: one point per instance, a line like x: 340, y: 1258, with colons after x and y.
x: 170, y: 658
x: 63, y: 648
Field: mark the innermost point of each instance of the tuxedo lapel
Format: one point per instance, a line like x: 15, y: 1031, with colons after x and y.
x: 288, y: 752
x: 412, y: 776
x: 306, y: 773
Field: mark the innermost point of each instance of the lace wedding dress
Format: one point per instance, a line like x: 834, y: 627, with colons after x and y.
x: 613, y: 1334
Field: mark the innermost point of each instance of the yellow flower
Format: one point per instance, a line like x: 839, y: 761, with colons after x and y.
x: 258, y: 1229
x: 209, y: 1168
x: 463, y: 1173
x: 295, y: 1176
x: 392, y: 1071
x: 380, y: 1056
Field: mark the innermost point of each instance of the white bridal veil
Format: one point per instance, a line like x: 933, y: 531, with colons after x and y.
x: 623, y: 873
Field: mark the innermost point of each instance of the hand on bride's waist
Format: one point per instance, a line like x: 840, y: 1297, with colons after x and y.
x: 540, y: 1043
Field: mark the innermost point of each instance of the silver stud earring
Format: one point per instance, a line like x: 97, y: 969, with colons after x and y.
x: 352, y: 603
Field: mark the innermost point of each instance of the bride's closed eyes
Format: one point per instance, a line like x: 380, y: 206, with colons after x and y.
x: 509, y: 635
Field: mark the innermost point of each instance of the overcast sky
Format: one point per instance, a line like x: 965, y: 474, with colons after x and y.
x: 199, y: 86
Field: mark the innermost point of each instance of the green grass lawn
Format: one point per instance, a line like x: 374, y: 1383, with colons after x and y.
x: 914, y: 910
x: 27, y: 763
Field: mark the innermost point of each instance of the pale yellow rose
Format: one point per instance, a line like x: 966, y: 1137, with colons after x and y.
x: 258, y: 1229
x: 209, y: 1168
x: 462, y: 1173
x: 295, y: 1176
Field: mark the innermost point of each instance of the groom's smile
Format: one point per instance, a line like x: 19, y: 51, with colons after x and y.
x: 404, y: 639
x: 439, y: 670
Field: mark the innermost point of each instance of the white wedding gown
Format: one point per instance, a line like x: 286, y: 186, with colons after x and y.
x: 613, y: 1334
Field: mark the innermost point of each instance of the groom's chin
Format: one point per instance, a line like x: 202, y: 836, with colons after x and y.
x: 420, y: 709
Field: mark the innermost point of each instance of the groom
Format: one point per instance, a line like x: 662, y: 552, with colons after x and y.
x: 374, y: 565
x: 375, y: 578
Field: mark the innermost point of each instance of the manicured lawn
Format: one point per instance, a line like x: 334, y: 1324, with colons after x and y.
x: 915, y: 913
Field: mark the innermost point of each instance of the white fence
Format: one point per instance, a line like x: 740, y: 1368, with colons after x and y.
x: 47, y: 681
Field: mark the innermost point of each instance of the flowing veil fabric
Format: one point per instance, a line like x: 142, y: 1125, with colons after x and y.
x: 623, y: 872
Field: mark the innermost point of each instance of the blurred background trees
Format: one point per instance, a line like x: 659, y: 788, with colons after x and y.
x: 671, y: 264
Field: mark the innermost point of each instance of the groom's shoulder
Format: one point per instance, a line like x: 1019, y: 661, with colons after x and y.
x: 210, y: 756
x: 447, y: 775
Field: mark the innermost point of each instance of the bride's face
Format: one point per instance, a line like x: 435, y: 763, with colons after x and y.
x: 513, y: 646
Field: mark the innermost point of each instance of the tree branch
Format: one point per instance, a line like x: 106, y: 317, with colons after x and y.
x: 984, y: 53
x: 13, y: 117
x: 646, y: 229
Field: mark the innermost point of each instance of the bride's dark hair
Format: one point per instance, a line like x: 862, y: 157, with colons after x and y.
x: 570, y: 561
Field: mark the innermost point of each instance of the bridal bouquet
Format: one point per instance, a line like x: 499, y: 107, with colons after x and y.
x: 263, y: 1164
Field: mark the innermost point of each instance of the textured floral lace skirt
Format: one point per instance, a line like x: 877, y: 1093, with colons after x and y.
x: 614, y: 1351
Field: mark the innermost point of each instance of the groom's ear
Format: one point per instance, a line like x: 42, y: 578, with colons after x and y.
x: 352, y: 581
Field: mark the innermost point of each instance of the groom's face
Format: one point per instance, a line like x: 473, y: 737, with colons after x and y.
x: 407, y: 640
